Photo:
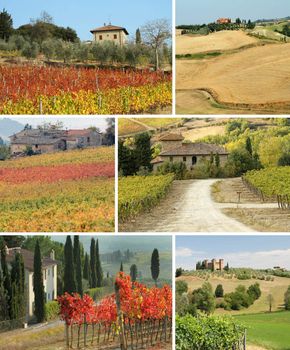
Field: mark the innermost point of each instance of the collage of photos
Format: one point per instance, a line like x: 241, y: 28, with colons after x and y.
x: 145, y: 175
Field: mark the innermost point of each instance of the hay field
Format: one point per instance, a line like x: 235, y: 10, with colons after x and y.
x: 257, y: 75
x: 277, y: 288
x: 223, y: 40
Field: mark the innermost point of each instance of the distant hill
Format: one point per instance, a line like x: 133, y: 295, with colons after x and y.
x: 8, y: 127
x: 284, y: 19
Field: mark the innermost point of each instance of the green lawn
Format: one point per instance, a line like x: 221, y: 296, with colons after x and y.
x: 269, y: 330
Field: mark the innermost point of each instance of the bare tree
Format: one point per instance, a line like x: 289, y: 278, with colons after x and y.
x: 155, y: 33
x: 270, y: 299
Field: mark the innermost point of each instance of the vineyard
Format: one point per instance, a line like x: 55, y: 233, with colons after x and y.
x: 140, y: 193
x: 209, y: 332
x: 134, y: 317
x: 54, y: 90
x: 47, y: 193
x: 270, y: 183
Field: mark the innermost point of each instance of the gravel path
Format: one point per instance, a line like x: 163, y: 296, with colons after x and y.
x: 188, y: 207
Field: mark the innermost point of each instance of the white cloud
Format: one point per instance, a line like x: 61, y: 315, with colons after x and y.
x: 186, y: 252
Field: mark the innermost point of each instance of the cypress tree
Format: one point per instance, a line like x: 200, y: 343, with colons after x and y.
x: 133, y: 272
x: 6, y: 279
x: 18, y: 292
x: 121, y: 267
x: 143, y: 150
x: 138, y: 36
x: 78, y: 265
x: 249, y: 146
x: 4, y: 315
x: 69, y: 276
x: 38, y: 287
x: 99, y: 271
x: 86, y: 272
x: 155, y: 265
x: 93, y: 264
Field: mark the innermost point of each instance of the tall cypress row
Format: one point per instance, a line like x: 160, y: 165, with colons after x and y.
x: 18, y: 292
x: 99, y: 270
x: 38, y: 287
x: 86, y: 272
x: 69, y: 275
x: 93, y: 283
x: 6, y: 279
x: 78, y: 265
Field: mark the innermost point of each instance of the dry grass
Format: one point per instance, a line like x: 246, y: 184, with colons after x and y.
x: 277, y: 288
x: 223, y: 40
x: 257, y: 75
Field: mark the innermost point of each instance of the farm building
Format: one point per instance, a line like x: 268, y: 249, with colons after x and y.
x: 224, y: 21
x: 173, y: 149
x: 214, y: 264
x: 49, y: 270
x: 48, y: 141
x: 115, y: 34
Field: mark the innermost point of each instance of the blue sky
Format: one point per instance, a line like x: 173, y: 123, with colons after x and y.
x: 88, y: 14
x: 71, y: 123
x: 239, y: 251
x: 205, y: 11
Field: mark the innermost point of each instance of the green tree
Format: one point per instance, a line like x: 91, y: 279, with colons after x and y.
x: 270, y: 300
x: 93, y: 264
x: 133, y: 272
x: 227, y: 268
x: 217, y: 160
x: 6, y: 25
x: 38, y: 287
x: 203, y: 298
x: 18, y: 291
x: 178, y: 272
x: 254, y: 291
x: 121, y: 267
x: 287, y: 299
x: 238, y: 21
x: 143, y: 150
x: 181, y: 287
x: 69, y: 271
x: 249, y: 146
x: 78, y: 264
x: 155, y: 265
x: 6, y: 278
x: 219, y: 291
x: 4, y: 307
x: 86, y: 272
x: 99, y: 270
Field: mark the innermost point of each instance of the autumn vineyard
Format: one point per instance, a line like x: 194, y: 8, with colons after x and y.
x: 134, y: 317
x: 69, y: 90
x: 64, y: 191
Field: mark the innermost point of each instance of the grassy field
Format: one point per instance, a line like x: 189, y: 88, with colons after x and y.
x: 269, y: 330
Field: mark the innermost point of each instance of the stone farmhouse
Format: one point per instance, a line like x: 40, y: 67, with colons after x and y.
x: 49, y: 270
x: 174, y: 149
x: 214, y: 265
x: 224, y: 21
x: 49, y: 141
x: 115, y: 34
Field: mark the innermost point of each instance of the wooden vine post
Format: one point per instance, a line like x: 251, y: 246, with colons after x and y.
x: 120, y: 318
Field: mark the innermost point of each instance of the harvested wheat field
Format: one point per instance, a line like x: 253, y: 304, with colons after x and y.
x: 255, y: 79
x: 223, y: 40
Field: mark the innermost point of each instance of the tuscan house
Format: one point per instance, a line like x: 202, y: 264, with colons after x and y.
x: 115, y: 34
x: 214, y: 264
x: 224, y: 21
x: 48, y: 141
x: 49, y: 270
x: 174, y: 149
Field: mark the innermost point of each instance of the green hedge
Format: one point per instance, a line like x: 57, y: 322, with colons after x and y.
x: 51, y: 310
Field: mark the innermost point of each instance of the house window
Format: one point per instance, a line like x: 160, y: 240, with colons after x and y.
x: 100, y: 37
x: 115, y: 36
x: 194, y: 160
x: 184, y: 159
x: 171, y: 159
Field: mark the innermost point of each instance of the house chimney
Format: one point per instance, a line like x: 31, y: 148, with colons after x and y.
x: 52, y: 254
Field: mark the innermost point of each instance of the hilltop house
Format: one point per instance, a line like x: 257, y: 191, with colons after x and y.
x: 173, y: 149
x: 224, y: 21
x: 214, y: 265
x: 115, y: 34
x: 49, y: 270
x: 48, y: 141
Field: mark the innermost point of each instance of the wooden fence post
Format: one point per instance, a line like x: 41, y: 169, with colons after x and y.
x: 120, y: 318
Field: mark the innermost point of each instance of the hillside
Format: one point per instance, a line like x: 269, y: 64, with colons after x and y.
x: 64, y: 191
x: 8, y: 127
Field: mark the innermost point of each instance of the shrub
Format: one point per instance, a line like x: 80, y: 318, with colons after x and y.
x: 181, y: 287
x: 219, y: 291
x: 95, y: 293
x: 254, y: 291
x: 51, y: 310
x: 203, y: 298
x: 287, y: 299
x: 182, y: 304
x: 176, y: 168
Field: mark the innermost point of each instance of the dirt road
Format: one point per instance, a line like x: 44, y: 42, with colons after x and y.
x: 188, y: 207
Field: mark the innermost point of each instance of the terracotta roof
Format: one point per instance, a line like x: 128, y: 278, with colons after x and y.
x: 109, y: 28
x: 157, y: 160
x: 171, y: 137
x: 28, y: 258
x: 201, y: 149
